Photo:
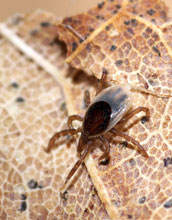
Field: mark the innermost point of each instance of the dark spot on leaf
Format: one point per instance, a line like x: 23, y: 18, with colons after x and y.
x: 119, y: 63
x: 156, y: 50
x: 93, y: 190
x: 146, y: 85
x: 130, y: 30
x: 163, y: 15
x: 86, y: 210
x: 100, y: 17
x: 15, y: 85
x: 127, y: 22
x: 114, y: 12
x: 34, y: 32
x: 23, y: 206
x: 63, y: 106
x: 134, y: 22
x: 168, y: 204
x: 45, y: 24
x: 150, y: 12
x: 155, y: 36
x: 23, y: 197
x: 113, y: 47
x: 88, y: 47
x: 142, y: 199
x: 167, y: 161
x: 153, y: 21
x: 100, y: 5
x: 91, y: 206
x: 144, y: 119
x: 154, y: 76
x: 20, y: 99
x: 32, y: 184
x: 108, y: 27
x: 132, y: 162
x: 91, y: 29
x: 74, y: 46
x: 149, y: 30
x: 153, y: 82
x: 118, y: 6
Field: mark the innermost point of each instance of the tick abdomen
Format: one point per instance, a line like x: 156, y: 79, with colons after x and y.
x: 106, y: 110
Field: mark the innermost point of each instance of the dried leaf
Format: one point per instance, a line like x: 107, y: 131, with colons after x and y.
x: 128, y: 38
x: 134, y: 45
x: 32, y: 108
x: 129, y: 186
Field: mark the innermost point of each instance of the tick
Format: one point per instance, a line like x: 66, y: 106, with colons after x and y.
x: 111, y: 106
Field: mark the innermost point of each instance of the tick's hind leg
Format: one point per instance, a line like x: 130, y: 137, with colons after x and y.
x: 136, y: 111
x: 60, y: 134
x: 77, y: 165
x: 128, y: 138
x: 105, y: 148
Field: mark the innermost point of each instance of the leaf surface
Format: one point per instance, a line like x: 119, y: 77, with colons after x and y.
x: 32, y: 108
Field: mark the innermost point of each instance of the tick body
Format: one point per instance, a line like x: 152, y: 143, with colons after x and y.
x: 106, y: 110
x: 110, y: 107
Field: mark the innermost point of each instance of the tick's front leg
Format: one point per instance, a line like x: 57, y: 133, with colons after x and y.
x: 58, y: 135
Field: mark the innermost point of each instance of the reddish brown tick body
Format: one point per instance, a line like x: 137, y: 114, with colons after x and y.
x: 109, y: 108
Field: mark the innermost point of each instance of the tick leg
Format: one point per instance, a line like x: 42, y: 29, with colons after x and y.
x: 87, y: 98
x: 102, y: 81
x: 105, y: 147
x: 73, y: 118
x: 60, y: 134
x: 135, y: 111
x: 128, y: 138
x: 77, y: 164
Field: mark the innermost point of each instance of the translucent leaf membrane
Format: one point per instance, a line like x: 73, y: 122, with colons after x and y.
x: 32, y: 109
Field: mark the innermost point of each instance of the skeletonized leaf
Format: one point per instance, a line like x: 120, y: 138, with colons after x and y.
x: 33, y: 107
x: 132, y: 41
x: 127, y: 38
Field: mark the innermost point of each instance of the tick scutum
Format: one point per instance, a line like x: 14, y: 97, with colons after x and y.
x: 97, y: 118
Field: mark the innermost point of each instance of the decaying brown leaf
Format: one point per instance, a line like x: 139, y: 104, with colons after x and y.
x: 132, y: 41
